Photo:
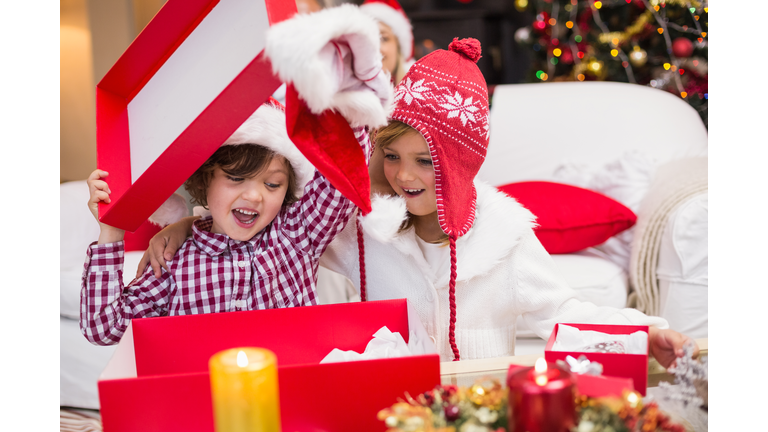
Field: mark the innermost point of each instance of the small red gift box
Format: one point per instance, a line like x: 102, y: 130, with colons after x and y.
x: 185, y: 84
x: 633, y: 366
x: 158, y: 379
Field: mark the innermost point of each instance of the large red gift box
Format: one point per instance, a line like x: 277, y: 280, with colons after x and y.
x: 185, y: 84
x: 634, y: 366
x: 157, y: 379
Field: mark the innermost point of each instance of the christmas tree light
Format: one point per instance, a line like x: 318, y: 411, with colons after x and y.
x: 656, y: 43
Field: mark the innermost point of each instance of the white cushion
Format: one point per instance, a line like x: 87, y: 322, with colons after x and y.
x: 627, y: 180
x: 78, y: 230
x: 596, y: 279
x: 81, y: 364
x: 683, y: 268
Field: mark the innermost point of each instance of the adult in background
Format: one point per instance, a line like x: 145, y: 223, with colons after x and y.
x: 396, y: 36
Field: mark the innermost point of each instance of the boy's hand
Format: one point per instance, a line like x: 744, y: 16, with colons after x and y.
x: 163, y: 246
x: 100, y: 191
x: 667, y: 345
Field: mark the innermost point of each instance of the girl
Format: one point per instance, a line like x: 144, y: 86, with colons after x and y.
x: 465, y: 255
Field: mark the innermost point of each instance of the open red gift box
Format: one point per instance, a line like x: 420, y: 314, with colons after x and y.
x: 158, y: 379
x: 634, y: 366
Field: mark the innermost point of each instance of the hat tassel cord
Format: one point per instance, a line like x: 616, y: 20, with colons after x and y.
x: 361, y: 255
x: 452, y: 297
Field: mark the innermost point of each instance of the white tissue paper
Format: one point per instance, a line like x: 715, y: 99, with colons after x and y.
x: 384, y: 344
x: 572, y: 339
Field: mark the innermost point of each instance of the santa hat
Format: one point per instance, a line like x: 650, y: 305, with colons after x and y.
x: 444, y: 96
x: 331, y: 63
x: 390, y: 13
x: 266, y: 127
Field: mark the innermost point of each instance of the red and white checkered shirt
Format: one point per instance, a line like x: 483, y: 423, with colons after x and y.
x: 214, y: 273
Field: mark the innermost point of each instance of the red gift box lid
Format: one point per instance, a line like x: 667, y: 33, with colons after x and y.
x: 185, y: 84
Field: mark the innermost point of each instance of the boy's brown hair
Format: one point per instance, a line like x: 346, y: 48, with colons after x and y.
x: 385, y: 136
x: 242, y: 160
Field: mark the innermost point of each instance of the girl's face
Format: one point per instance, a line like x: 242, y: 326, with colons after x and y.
x: 389, y: 48
x: 408, y: 169
x: 243, y: 206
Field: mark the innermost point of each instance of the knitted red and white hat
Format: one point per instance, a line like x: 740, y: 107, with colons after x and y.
x: 444, y: 96
x: 392, y: 14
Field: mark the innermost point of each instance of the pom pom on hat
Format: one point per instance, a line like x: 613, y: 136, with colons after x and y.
x: 469, y: 47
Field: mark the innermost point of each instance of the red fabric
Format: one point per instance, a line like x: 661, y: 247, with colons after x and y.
x: 139, y: 239
x: 329, y: 143
x: 570, y: 218
x: 444, y: 96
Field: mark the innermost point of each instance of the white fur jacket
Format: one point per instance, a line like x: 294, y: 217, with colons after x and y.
x: 503, y: 272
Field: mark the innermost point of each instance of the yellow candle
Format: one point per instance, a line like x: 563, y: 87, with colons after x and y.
x: 244, y: 390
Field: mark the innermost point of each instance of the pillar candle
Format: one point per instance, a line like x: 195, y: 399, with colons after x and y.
x: 541, y: 399
x: 244, y: 390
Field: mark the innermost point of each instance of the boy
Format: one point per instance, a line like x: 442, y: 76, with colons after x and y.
x: 272, y: 216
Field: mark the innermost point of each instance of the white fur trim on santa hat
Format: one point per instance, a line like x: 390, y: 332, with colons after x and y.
x: 396, y: 21
x: 266, y: 127
x: 171, y: 211
x: 388, y: 212
x: 299, y: 50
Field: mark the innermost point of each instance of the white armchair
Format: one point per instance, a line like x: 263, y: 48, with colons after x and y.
x: 573, y: 132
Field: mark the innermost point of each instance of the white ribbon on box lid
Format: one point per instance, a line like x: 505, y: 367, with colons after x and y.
x: 572, y: 339
x: 385, y: 344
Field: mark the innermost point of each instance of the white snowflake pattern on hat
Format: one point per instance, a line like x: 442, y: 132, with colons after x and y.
x: 409, y: 91
x: 457, y: 106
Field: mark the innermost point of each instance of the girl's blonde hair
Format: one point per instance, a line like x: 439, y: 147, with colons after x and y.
x: 385, y: 136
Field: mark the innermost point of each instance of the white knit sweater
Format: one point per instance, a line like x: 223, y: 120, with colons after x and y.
x: 503, y: 272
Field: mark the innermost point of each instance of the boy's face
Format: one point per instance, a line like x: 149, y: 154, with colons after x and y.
x: 408, y: 169
x: 241, y: 207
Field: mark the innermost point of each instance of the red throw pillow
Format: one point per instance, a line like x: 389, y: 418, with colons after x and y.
x: 570, y: 218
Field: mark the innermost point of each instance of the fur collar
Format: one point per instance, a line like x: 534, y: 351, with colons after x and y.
x: 500, y: 222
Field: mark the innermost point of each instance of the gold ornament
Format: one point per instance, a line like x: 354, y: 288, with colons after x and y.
x: 681, y: 3
x: 617, y: 38
x: 638, y: 57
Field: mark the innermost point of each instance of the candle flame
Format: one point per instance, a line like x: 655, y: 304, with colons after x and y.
x: 633, y: 399
x: 541, y: 380
x: 541, y: 365
x: 242, y: 359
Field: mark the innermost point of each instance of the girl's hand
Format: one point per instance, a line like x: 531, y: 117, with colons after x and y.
x: 100, y: 192
x: 667, y: 345
x: 164, y: 245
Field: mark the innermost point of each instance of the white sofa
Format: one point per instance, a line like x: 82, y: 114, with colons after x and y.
x: 613, y: 138
x: 535, y: 129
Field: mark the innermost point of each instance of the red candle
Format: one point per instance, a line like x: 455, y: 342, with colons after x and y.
x: 541, y: 399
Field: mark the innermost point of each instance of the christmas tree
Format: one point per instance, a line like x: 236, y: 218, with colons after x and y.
x: 656, y: 43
